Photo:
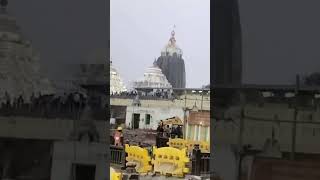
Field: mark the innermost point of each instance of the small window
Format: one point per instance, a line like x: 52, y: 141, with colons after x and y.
x: 148, y: 117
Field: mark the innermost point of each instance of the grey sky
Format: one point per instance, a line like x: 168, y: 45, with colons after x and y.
x: 280, y: 39
x: 139, y: 29
x: 62, y: 31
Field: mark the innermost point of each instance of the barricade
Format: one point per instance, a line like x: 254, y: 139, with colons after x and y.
x: 205, y: 163
x: 140, y: 157
x: 200, y: 162
x: 170, y: 161
x: 114, y: 175
x: 204, y: 146
x: 177, y: 143
x: 117, y: 155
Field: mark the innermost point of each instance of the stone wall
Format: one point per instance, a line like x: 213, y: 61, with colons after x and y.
x: 66, y: 154
x: 48, y: 129
x: 260, y: 121
x: 157, y: 114
x: 178, y: 103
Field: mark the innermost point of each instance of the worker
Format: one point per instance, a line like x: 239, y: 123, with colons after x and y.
x: 161, y: 123
x: 179, y: 132
x: 118, y: 137
x: 167, y: 131
x: 173, y: 132
x: 160, y: 129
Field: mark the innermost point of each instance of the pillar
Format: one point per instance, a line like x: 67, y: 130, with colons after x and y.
x: 187, y: 131
x: 199, y: 133
x: 195, y: 132
x: 208, y: 134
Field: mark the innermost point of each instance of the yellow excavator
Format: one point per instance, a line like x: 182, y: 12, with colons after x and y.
x: 173, y: 121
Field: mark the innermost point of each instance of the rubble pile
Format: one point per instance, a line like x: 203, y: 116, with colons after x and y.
x: 140, y: 136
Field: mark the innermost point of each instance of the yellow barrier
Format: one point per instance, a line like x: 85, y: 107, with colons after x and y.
x: 170, y: 161
x: 177, y: 143
x: 114, y: 175
x: 204, y: 146
x: 189, y: 144
x: 139, y: 156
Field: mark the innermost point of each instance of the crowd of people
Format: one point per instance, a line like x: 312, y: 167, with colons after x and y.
x: 66, y: 105
x: 169, y: 131
x: 157, y: 94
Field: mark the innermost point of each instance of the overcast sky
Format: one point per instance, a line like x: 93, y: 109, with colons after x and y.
x: 280, y: 39
x: 141, y: 28
x: 62, y: 31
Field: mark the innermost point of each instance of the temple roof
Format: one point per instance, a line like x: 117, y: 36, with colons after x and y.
x: 153, y: 78
x: 199, y: 118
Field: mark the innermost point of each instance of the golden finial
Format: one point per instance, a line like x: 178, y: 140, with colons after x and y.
x: 172, y: 40
x: 173, y: 32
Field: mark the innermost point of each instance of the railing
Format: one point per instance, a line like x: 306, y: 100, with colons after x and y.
x: 142, y: 97
x: 200, y: 162
x: 205, y: 163
x: 117, y: 155
x: 52, y: 112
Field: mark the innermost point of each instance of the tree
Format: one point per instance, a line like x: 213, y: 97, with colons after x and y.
x: 206, y: 86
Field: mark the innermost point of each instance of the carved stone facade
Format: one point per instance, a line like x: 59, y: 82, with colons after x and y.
x: 116, y: 83
x: 172, y: 64
x: 19, y: 63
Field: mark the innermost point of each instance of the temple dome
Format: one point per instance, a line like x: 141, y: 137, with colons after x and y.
x: 153, y: 78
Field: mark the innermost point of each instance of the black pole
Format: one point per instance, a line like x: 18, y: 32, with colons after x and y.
x: 294, y: 126
x: 124, y: 155
x: 239, y: 165
x: 196, y: 162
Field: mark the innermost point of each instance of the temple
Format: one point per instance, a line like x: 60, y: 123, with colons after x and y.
x: 153, y: 78
x: 116, y: 83
x: 172, y: 64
